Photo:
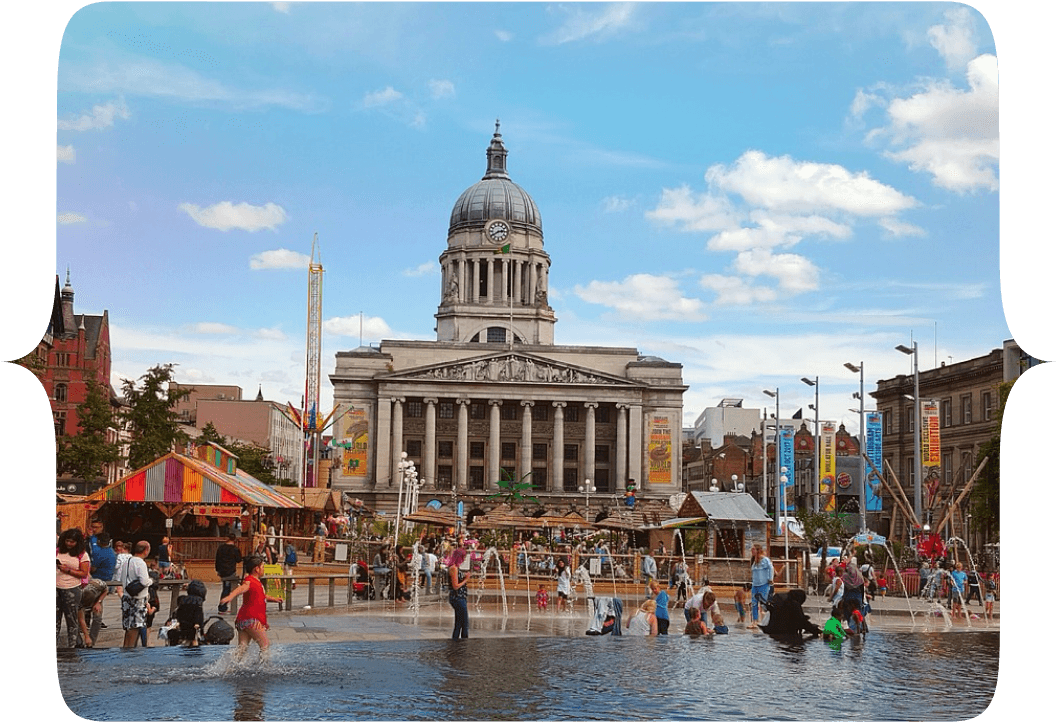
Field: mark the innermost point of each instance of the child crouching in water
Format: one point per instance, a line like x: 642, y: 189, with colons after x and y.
x: 696, y: 625
x: 833, y: 630
x: 252, y: 619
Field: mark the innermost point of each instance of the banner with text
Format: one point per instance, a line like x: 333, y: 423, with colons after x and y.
x: 659, y: 449
x: 930, y: 444
x: 827, y: 466
x: 356, y: 441
x: 874, y: 450
x: 785, y: 466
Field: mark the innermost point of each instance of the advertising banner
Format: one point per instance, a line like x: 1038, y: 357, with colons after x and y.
x: 874, y: 450
x: 930, y: 444
x: 356, y: 442
x: 786, y: 460
x: 215, y: 510
x: 827, y: 466
x: 659, y: 449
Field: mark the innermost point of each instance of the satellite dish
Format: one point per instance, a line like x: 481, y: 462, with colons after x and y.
x: 675, y: 500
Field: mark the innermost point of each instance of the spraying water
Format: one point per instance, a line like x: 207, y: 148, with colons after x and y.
x: 492, y: 553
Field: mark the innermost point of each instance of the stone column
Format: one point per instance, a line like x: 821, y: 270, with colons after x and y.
x: 383, y: 439
x: 518, y: 292
x: 463, y: 444
x: 397, y: 439
x: 526, y: 441
x: 429, y: 452
x: 588, y: 453
x: 531, y: 283
x: 634, y: 448
x: 474, y: 294
x: 505, y: 283
x: 558, y: 483
x: 621, y: 447
x: 494, y: 445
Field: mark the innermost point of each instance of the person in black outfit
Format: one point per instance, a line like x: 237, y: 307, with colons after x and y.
x: 228, y: 557
x: 974, y: 588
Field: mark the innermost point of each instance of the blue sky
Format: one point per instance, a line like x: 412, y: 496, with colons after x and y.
x: 759, y: 192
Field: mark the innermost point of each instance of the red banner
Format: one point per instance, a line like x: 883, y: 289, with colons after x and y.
x: 215, y: 510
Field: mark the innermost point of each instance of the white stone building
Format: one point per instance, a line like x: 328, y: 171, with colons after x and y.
x: 493, y: 393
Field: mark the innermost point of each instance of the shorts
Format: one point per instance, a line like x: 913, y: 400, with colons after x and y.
x: 562, y: 595
x: 133, y: 612
x: 250, y: 623
x: 740, y: 608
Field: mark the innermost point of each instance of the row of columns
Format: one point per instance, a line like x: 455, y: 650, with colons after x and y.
x: 628, y: 421
x: 529, y: 277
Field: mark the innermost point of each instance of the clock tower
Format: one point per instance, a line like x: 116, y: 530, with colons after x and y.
x: 494, y: 270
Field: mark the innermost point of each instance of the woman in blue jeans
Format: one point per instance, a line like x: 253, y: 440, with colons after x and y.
x: 456, y: 597
x: 762, y: 581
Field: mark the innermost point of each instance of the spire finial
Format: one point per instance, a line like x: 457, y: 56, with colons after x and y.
x: 67, y: 274
x: 497, y: 133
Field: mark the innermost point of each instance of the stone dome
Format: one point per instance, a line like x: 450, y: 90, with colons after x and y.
x: 495, y: 196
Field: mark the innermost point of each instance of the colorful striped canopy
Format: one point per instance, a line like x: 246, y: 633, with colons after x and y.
x: 175, y: 479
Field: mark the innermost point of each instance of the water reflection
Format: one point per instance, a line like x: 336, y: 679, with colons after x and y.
x: 560, y: 677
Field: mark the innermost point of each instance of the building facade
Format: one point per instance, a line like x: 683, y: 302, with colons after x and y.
x: 493, y: 396
x: 187, y: 408
x: 263, y: 423
x: 966, y: 395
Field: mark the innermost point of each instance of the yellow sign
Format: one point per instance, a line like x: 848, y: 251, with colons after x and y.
x: 660, y: 449
x: 273, y: 587
x: 215, y: 510
x: 356, y: 442
x: 827, y: 470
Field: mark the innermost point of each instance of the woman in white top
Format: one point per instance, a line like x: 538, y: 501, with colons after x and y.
x: 643, y: 623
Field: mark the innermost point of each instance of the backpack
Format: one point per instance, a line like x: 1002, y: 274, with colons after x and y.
x: 219, y: 632
x: 291, y: 555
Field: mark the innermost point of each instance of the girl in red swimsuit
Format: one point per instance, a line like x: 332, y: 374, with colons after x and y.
x: 252, y: 619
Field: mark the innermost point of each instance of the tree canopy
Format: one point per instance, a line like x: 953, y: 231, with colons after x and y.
x: 151, y: 415
x: 85, y: 455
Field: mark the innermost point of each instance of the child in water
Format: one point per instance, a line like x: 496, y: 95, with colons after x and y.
x: 696, y: 625
x: 252, y: 619
x: 833, y: 630
x: 740, y: 599
x: 542, y: 597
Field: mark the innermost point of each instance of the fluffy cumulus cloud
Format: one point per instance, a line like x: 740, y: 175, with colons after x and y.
x: 280, y: 258
x: 98, y: 118
x: 211, y: 327
x: 441, y: 89
x: 67, y: 154
x: 590, y: 22
x: 226, y: 215
x: 644, y: 297
x: 425, y: 269
x: 371, y: 327
x: 955, y: 39
x: 66, y: 219
x: 760, y: 203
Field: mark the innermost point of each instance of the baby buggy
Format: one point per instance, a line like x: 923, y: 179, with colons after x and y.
x: 188, y: 625
x: 359, y: 574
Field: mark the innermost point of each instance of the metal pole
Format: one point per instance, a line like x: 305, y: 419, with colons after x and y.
x: 917, y: 481
x: 861, y: 450
x: 817, y: 449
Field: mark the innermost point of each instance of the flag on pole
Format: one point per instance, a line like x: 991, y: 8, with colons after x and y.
x: 503, y: 249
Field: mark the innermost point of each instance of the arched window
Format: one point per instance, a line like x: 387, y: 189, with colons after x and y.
x: 60, y: 393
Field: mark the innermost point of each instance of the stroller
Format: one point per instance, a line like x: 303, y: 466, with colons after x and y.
x: 360, y: 580
x: 188, y: 625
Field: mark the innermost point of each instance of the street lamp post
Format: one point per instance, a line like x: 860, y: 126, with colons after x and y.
x: 587, y: 489
x: 917, y: 496
x: 408, y: 478
x: 860, y: 370
x: 815, y: 485
x: 784, y: 533
x: 779, y: 487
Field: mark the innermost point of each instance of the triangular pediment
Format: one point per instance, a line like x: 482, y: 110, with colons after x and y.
x: 511, y: 367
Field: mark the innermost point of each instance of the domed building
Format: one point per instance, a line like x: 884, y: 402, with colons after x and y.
x: 493, y: 396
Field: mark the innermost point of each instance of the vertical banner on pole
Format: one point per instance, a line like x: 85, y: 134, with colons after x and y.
x: 785, y: 459
x: 874, y: 450
x: 827, y: 470
x: 930, y: 447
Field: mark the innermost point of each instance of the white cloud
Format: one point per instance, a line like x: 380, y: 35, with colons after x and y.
x: 863, y: 102
x: 693, y: 211
x: 772, y: 231
x: 272, y: 334
x: 279, y: 258
x: 783, y: 184
x: 644, y: 297
x: 210, y: 327
x: 425, y: 269
x: 441, y: 89
x: 134, y: 75
x: 66, y: 154
x: 381, y: 97
x: 374, y: 328
x: 504, y: 35
x: 101, y: 116
x: 616, y: 204
x: 281, y: 7
x: 225, y: 215
x: 590, y: 24
x: 66, y: 219
x: 955, y: 40
x: 899, y: 228
x: 735, y: 291
x: 794, y: 273
x: 950, y: 133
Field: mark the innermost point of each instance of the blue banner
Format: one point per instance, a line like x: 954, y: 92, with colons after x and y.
x: 786, y: 460
x: 874, y: 450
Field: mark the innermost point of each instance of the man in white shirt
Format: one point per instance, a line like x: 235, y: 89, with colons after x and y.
x: 134, y: 608
x: 428, y: 567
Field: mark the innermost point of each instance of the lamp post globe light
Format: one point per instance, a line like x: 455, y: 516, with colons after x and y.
x: 408, y: 479
x: 917, y: 500
x: 714, y: 485
x: 815, y: 485
x: 860, y: 370
x: 587, y: 489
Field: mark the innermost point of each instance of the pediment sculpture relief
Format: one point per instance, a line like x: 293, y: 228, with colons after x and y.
x: 512, y: 368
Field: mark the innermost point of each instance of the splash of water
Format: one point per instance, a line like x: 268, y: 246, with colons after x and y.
x: 492, y: 553
x: 901, y: 581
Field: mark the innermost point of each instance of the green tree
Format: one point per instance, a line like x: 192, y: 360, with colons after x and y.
x: 513, y: 490
x: 151, y: 415
x: 986, y: 493
x: 84, y: 455
x: 255, y: 461
x: 823, y: 529
x: 210, y: 434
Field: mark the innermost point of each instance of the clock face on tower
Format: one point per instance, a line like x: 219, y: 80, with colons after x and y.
x: 497, y: 231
